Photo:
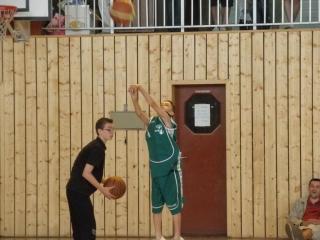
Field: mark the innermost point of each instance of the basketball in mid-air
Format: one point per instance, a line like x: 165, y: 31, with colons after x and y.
x: 122, y: 12
x: 119, y: 186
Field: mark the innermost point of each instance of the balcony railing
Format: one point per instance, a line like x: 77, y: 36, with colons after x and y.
x: 182, y: 15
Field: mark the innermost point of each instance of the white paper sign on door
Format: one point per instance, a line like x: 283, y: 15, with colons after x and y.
x: 202, y: 115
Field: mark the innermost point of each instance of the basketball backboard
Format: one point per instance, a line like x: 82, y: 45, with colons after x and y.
x: 30, y: 9
x: 126, y: 120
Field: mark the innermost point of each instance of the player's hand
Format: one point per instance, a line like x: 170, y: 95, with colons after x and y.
x: 133, y: 87
x: 133, y: 90
x: 107, y: 192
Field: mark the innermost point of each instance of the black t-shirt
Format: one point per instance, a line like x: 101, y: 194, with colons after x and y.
x: 93, y: 153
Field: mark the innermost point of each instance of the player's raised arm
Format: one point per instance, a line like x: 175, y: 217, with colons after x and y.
x: 133, y: 90
x: 161, y: 112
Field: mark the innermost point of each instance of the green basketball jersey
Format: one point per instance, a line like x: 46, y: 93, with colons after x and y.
x: 163, y: 149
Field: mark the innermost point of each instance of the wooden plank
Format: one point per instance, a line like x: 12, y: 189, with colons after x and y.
x: 177, y: 57
x: 86, y: 85
x: 9, y: 160
x: 316, y: 103
x: 121, y: 135
x: 154, y: 86
x: 166, y: 66
x: 270, y: 119
x: 233, y: 141
x: 42, y: 137
x: 282, y: 131
x: 53, y: 138
x: 31, y: 139
x: 2, y: 156
x: 20, y: 138
x: 86, y: 91
x: 258, y: 134
x: 154, y: 71
x: 177, y: 75
x: 212, y: 56
x: 98, y: 112
x: 294, y: 118
x: 64, y: 131
x: 109, y: 96
x: 246, y: 134
x: 188, y: 57
x: 8, y: 168
x: 75, y: 97
x: 221, y: 59
x: 200, y: 57
x: 306, y: 110
x: 223, y: 46
x: 144, y: 181
x: 132, y: 136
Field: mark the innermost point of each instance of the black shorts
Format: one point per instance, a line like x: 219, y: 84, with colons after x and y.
x: 222, y: 2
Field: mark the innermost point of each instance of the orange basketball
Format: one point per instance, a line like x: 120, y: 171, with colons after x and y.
x: 118, y: 184
x: 122, y: 12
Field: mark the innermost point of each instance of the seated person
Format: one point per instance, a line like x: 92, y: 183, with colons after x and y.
x: 304, y: 218
x: 260, y: 11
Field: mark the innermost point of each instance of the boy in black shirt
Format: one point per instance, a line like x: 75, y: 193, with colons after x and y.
x: 85, y: 179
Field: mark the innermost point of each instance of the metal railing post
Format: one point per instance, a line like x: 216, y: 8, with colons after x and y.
x: 254, y: 10
x: 111, y: 20
x: 182, y: 15
x: 200, y: 13
x: 164, y: 12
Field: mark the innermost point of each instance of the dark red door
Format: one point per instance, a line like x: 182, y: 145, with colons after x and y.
x: 200, y: 115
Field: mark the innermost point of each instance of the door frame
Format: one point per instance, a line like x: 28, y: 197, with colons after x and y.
x: 171, y: 89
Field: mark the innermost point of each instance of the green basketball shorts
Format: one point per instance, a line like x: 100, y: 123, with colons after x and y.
x: 167, y: 190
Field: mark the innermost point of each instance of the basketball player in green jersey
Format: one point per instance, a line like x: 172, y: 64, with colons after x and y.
x: 164, y: 156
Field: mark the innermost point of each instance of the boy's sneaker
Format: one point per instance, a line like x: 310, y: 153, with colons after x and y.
x: 293, y: 232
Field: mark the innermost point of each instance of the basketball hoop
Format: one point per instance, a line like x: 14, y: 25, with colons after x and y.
x: 6, y: 16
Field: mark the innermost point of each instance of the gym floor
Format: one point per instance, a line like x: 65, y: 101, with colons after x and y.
x: 186, y: 238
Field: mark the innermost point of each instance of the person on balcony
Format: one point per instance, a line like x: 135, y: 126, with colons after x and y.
x: 263, y: 7
x: 224, y: 11
x: 295, y: 7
